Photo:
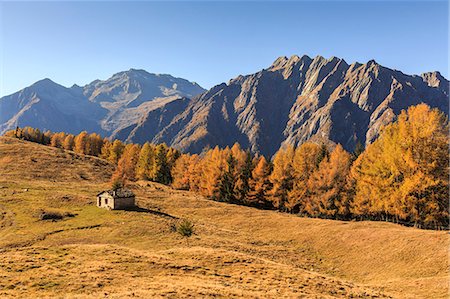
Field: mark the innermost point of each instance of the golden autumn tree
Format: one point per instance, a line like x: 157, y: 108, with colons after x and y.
x: 106, y: 149
x: 403, y: 175
x: 57, y: 139
x: 244, y: 176
x: 194, y: 172
x: 281, y: 177
x: 303, y: 165
x: 80, y: 143
x: 212, y: 166
x: 327, y: 187
x: 115, y: 151
x: 259, y: 185
x: 126, y: 166
x: 180, y: 173
x: 145, y: 162
x: 69, y: 142
x: 94, y: 144
x: 172, y: 156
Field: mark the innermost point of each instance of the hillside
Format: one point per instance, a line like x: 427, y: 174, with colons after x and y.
x: 237, y: 251
x: 294, y: 100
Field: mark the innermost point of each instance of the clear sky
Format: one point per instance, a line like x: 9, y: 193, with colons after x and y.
x: 211, y: 42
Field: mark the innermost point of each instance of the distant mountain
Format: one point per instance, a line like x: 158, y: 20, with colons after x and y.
x: 101, y: 106
x: 294, y: 100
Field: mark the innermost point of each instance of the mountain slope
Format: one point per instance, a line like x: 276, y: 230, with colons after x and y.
x: 236, y: 252
x: 298, y: 99
x: 101, y: 106
x: 48, y: 105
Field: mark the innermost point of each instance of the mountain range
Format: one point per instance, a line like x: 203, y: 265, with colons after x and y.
x: 294, y: 100
x: 100, y: 106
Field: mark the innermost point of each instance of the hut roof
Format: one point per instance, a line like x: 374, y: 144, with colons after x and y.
x: 121, y: 192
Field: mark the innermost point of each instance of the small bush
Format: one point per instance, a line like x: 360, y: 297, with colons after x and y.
x: 185, y: 228
x: 45, y: 215
x: 53, y: 215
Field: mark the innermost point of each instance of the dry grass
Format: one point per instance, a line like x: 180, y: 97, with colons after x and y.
x: 236, y: 251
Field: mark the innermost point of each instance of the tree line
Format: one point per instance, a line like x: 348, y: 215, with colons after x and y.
x: 401, y: 177
x: 133, y: 162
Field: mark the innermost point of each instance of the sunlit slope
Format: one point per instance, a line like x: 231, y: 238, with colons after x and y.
x: 236, y: 251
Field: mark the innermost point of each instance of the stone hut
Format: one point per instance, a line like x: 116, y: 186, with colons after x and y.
x: 120, y: 199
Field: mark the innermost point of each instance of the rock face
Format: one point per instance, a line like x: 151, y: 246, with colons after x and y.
x: 294, y: 100
x: 101, y: 106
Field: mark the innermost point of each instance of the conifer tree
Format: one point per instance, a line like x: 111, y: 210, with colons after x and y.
x: 69, y: 142
x: 327, y: 185
x: 281, y: 177
x: 181, y: 173
x: 161, y: 171
x: 242, y: 186
x: 127, y: 163
x: 106, y: 149
x: 47, y: 137
x: 227, y: 181
x: 403, y: 175
x: 303, y: 166
x: 80, y: 142
x: 195, y: 173
x: 57, y: 139
x: 116, y: 151
x: 145, y: 163
x: 260, y: 185
x: 323, y: 154
x: 94, y: 144
x: 172, y: 156
x: 212, y: 166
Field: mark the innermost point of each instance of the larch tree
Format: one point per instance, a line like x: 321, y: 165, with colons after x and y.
x: 181, y: 173
x: 69, y: 142
x: 327, y: 187
x: 303, y: 165
x: 116, y: 151
x: 403, y: 175
x: 194, y: 173
x: 126, y: 166
x: 260, y: 185
x: 94, y: 144
x: 145, y: 162
x: 212, y: 166
x: 57, y: 139
x: 324, y: 153
x: 281, y: 177
x: 80, y: 143
x: 106, y: 149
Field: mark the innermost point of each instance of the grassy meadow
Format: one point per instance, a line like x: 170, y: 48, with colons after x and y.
x: 236, y: 251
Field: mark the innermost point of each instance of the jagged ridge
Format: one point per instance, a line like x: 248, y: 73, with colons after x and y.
x: 294, y: 100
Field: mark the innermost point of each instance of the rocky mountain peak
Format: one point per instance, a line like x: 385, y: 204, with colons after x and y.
x: 435, y: 79
x: 294, y: 100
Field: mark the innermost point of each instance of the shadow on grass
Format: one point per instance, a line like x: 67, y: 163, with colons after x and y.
x: 145, y: 210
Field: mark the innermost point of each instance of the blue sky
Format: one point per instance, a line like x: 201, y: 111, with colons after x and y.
x: 211, y: 42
